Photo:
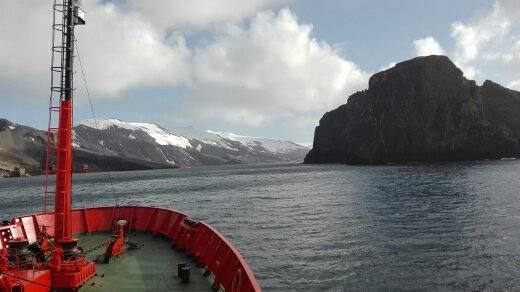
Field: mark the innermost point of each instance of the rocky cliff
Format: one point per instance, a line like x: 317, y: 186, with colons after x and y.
x: 420, y: 110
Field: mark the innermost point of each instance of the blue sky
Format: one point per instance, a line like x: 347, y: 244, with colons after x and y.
x: 260, y: 67
x: 375, y: 33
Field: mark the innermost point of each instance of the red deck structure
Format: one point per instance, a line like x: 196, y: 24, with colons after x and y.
x: 198, y: 239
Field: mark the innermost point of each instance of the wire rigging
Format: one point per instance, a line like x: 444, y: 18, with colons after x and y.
x: 99, y: 134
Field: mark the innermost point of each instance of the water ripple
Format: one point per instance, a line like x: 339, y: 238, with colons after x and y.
x: 447, y: 226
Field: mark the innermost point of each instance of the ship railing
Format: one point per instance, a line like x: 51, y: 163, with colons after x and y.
x: 220, y: 258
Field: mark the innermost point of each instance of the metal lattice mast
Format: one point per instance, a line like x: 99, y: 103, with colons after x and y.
x: 57, y: 64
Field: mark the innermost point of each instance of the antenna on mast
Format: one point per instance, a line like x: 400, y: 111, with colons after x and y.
x: 79, y: 13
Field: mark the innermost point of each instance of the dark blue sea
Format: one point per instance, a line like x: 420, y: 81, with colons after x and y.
x: 453, y: 226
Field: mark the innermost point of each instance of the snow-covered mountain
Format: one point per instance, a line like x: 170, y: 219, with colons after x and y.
x: 181, y: 147
x: 22, y: 151
x: 134, y: 146
x: 271, y: 145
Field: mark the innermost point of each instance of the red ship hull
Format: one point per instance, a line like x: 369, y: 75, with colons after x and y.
x: 198, y: 239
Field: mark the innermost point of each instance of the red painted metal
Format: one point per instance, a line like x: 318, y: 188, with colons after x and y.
x: 62, y: 201
x: 67, y: 272
x: 115, y: 247
x: 57, y: 256
x: 26, y: 280
x: 72, y: 274
x: 14, y: 279
x: 43, y: 239
x: 198, y: 239
x: 4, y: 262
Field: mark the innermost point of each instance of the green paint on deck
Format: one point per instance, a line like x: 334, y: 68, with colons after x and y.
x: 152, y: 267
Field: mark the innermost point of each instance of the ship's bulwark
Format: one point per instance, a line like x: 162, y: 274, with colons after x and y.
x: 197, y: 239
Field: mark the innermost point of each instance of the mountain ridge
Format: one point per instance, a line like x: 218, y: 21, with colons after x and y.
x: 133, y: 146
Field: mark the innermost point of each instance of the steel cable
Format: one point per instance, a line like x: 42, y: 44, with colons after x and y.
x: 99, y: 134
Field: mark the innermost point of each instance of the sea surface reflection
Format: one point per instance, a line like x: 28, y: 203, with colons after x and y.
x: 452, y: 226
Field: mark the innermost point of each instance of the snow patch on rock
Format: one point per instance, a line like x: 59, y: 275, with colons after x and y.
x: 172, y: 162
x: 160, y: 135
x: 207, y: 137
x: 272, y: 145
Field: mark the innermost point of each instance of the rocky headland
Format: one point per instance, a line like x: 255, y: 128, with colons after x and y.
x: 421, y: 110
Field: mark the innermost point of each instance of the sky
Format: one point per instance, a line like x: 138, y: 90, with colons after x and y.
x: 267, y: 68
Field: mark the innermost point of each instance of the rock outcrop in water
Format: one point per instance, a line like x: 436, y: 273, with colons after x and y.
x: 420, y: 110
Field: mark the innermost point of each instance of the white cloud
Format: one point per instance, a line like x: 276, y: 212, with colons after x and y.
x: 427, y: 46
x: 120, y: 50
x: 488, y: 41
x: 131, y: 45
x: 390, y: 65
x: 271, y: 70
x: 484, y: 30
x: 511, y: 60
x: 24, y: 49
x: 487, y: 46
x: 515, y: 85
x: 263, y: 71
x: 469, y: 71
x: 198, y: 14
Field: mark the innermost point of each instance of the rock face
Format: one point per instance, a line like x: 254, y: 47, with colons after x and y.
x: 420, y: 110
x: 22, y: 149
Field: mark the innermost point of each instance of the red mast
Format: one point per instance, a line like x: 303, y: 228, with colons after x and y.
x: 63, y: 227
x: 70, y: 269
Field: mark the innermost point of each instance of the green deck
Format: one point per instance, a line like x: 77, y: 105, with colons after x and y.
x: 152, y: 267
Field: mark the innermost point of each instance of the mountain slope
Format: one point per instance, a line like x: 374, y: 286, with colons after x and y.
x: 183, y: 147
x: 20, y: 146
x: 23, y: 148
x: 133, y: 146
x: 420, y: 110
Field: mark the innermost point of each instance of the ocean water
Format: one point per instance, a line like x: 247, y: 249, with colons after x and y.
x: 453, y: 226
